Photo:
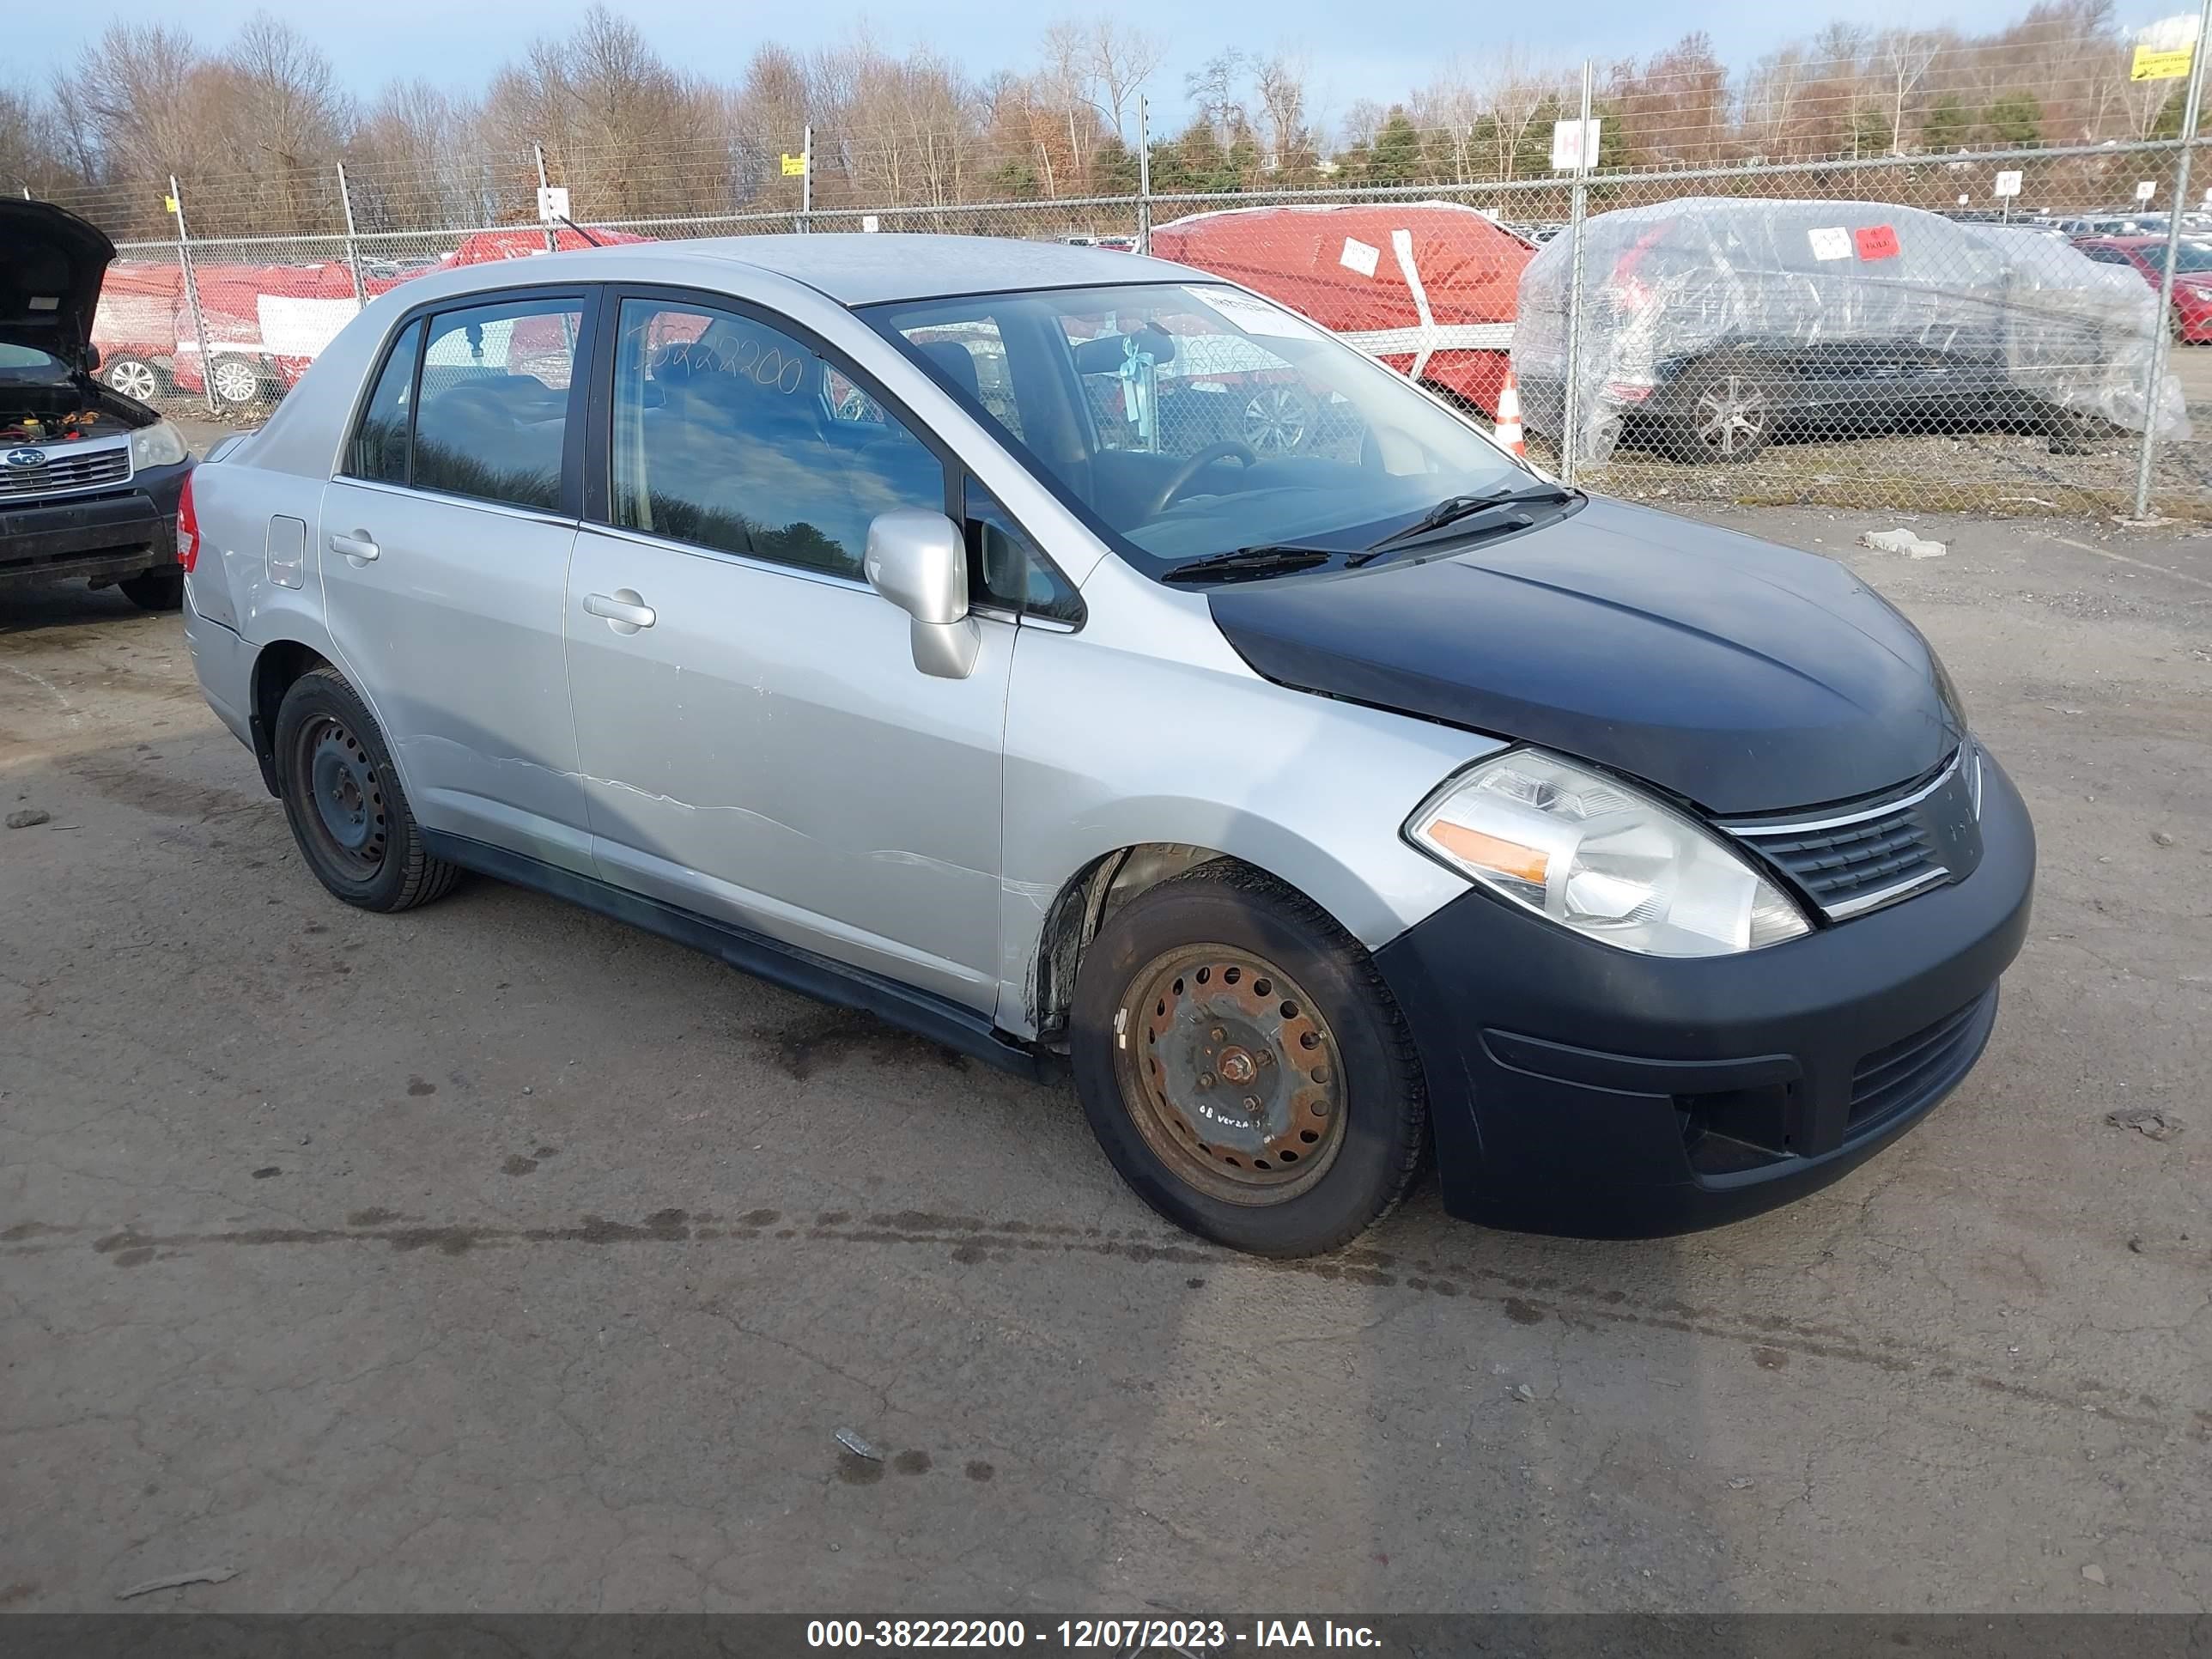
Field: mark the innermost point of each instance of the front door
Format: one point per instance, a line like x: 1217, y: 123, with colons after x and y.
x: 756, y: 741
x: 444, y: 552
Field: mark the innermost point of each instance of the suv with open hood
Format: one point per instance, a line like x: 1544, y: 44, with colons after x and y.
x: 89, y: 479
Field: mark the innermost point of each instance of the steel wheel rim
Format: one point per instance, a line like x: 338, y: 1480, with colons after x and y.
x: 235, y: 383
x: 1731, y: 418
x: 345, y: 798
x: 1274, y: 421
x: 133, y: 380
x: 1230, y: 1074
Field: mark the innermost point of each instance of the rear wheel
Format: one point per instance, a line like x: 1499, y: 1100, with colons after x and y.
x: 156, y: 590
x: 1244, y: 1066
x: 1722, y: 413
x: 342, y: 799
x: 134, y: 378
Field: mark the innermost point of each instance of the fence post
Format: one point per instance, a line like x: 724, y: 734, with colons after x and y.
x: 1144, y: 178
x: 552, y: 241
x: 1571, y: 386
x: 2149, y: 455
x: 806, y: 179
x: 192, y: 295
x: 353, y: 251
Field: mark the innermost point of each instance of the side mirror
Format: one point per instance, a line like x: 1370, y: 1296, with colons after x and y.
x: 91, y: 358
x: 918, y: 560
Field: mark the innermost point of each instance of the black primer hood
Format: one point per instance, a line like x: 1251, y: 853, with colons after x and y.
x: 52, y: 265
x: 1740, y: 676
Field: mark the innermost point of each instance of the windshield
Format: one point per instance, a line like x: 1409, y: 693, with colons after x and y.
x: 2193, y: 257
x: 1185, y: 421
x: 18, y: 357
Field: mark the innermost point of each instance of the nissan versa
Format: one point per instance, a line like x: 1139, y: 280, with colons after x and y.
x: 855, y: 609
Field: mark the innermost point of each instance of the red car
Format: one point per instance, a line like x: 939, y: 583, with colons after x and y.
x: 1429, y: 288
x: 2192, y: 275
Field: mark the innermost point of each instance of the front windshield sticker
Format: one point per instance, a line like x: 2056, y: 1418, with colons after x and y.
x: 1253, y: 314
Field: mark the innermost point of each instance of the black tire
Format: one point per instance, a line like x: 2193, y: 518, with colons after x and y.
x: 1380, y: 1140
x: 155, y: 590
x: 1719, y: 412
x: 323, y: 725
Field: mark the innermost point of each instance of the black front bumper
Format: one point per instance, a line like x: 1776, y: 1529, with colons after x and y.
x: 1583, y: 1090
x: 101, y: 538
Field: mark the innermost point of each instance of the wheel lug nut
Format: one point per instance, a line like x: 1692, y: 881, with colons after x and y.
x: 1217, y: 1034
x: 1252, y: 1102
x: 1206, y: 1080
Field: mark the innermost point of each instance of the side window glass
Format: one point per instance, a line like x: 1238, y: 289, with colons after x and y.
x: 496, y: 401
x: 1005, y: 567
x: 971, y: 355
x: 378, y: 449
x: 731, y: 435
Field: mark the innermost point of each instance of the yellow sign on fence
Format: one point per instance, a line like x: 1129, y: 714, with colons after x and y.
x: 2158, y: 63
x: 794, y: 167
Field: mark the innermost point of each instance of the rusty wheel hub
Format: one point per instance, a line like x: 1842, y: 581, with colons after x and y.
x: 1230, y: 1074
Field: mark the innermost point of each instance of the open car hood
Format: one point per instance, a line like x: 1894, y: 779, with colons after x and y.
x: 1739, y: 676
x: 51, y: 265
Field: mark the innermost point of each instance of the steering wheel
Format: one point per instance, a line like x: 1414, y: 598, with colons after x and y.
x: 1191, y: 468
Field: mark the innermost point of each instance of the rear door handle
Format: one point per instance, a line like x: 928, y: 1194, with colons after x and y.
x: 355, y: 547
x: 623, y: 608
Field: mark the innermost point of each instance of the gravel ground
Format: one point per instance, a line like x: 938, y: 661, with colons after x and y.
x: 496, y: 1256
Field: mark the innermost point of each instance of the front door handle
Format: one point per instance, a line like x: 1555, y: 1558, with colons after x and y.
x: 624, y: 611
x: 358, y: 546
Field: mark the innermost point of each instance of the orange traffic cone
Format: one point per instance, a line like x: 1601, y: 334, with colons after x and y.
x: 1507, y: 429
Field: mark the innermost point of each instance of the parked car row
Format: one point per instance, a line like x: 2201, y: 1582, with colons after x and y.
x: 264, y: 324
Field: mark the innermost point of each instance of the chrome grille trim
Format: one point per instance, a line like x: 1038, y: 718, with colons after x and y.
x: 70, y: 469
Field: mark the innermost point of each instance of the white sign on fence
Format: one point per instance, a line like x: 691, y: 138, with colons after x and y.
x: 2008, y: 184
x: 870, y: 223
x: 2145, y: 189
x: 1574, y: 145
x: 552, y: 202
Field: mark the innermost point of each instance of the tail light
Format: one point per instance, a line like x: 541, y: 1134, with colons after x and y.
x: 188, y: 529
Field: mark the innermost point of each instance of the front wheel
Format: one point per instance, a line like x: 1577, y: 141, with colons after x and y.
x: 342, y: 799
x: 1245, y: 1067
x: 236, y: 381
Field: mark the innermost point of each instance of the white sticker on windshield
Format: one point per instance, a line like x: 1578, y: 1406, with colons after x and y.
x: 1357, y: 256
x: 1829, y: 242
x: 1252, y: 313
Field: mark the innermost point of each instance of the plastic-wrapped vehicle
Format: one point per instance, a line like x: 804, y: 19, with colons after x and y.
x: 1711, y: 327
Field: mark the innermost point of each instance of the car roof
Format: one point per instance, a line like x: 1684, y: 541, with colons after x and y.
x: 859, y: 268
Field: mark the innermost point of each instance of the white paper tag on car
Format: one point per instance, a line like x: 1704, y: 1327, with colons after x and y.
x: 1251, y: 314
x: 1829, y: 242
x: 1359, y: 257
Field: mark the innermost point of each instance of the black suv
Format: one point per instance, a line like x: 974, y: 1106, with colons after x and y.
x: 89, y: 479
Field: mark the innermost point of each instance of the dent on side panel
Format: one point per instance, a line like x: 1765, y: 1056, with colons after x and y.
x: 1145, y: 728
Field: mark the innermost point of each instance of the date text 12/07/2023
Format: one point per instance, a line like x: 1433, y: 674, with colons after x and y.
x: 1114, y: 1636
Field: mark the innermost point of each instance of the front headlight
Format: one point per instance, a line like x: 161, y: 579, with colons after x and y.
x: 158, y: 445
x: 1594, y: 854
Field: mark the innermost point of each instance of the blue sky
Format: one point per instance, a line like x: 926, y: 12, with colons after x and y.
x: 1355, y: 51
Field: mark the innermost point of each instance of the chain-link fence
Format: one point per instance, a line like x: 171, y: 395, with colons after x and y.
x: 1993, y: 331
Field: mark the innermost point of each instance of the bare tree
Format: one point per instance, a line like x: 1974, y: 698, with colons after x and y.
x: 1123, y: 59
x: 1903, y: 58
x: 1280, y: 79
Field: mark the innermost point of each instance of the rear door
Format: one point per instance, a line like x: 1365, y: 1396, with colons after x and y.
x: 444, y: 549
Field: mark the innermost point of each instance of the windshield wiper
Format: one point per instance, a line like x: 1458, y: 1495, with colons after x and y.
x: 1264, y: 560
x: 1450, y: 510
